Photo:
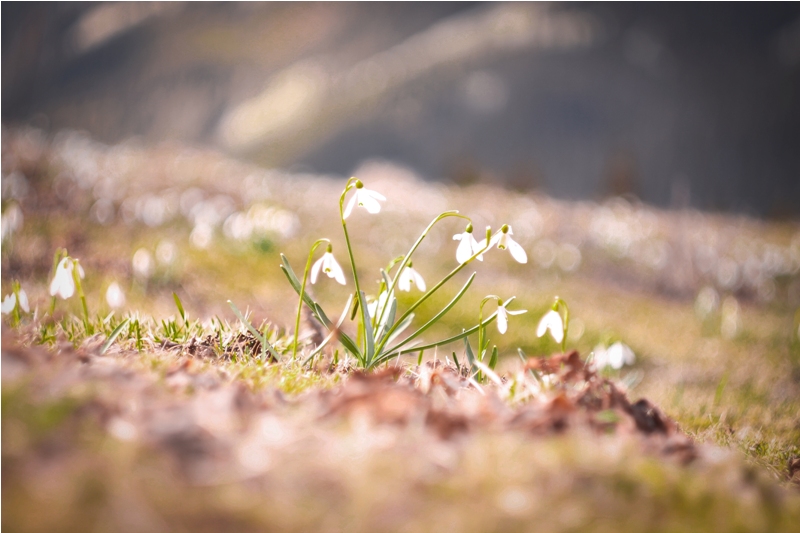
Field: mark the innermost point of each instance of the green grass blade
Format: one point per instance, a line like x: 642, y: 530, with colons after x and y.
x: 113, y: 336
x: 470, y: 355
x: 179, y: 306
x: 265, y: 345
x: 493, y: 360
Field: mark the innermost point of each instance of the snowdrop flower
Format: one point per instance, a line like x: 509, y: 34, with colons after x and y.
x: 63, y: 283
x: 409, y: 276
x: 23, y: 300
x: 9, y: 303
x: 551, y: 321
x: 376, y: 306
x: 327, y: 263
x: 503, y: 240
x: 468, y: 246
x: 365, y: 198
x: 616, y: 356
x: 502, y: 316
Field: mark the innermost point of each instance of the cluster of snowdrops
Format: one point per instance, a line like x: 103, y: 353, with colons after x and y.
x: 381, y: 326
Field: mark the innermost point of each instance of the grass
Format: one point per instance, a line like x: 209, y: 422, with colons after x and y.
x: 69, y: 466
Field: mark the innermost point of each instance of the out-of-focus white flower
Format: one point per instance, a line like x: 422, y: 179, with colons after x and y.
x: 11, y: 221
x: 63, y: 283
x: 327, y: 263
x: 502, y: 316
x: 409, y: 276
x: 142, y: 263
x: 9, y: 303
x: 23, y: 300
x: 616, y: 356
x: 366, y: 198
x: 377, y: 305
x: 551, y: 321
x: 166, y: 252
x: 114, y: 296
x: 504, y: 241
x: 468, y: 245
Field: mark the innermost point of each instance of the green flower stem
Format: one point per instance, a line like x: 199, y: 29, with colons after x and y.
x: 562, y: 303
x: 77, y: 278
x: 414, y: 247
x: 454, y: 338
x: 361, y: 301
x: 482, y: 329
x: 429, y: 294
x: 302, y: 292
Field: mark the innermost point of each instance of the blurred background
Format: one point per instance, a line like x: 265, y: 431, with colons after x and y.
x: 679, y: 105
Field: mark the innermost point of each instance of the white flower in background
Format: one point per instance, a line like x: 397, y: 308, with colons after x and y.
x: 468, y: 245
x: 366, y: 198
x: 551, y: 321
x: 504, y: 241
x: 114, y: 296
x: 23, y: 300
x: 142, y: 263
x: 11, y: 220
x: 409, y: 276
x: 502, y: 316
x: 9, y: 303
x: 616, y: 356
x: 377, y: 305
x: 327, y: 263
x: 63, y: 283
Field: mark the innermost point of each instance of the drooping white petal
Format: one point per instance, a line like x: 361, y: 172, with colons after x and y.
x: 9, y: 303
x: 350, y: 205
x: 600, y: 357
x: 316, y: 268
x: 551, y: 321
x: 517, y: 252
x: 404, y: 283
x: 502, y: 320
x: 418, y: 281
x: 464, y: 250
x: 81, y: 273
x: 23, y: 301
x: 519, y: 312
x: 369, y: 200
x: 335, y: 271
x: 619, y: 355
x: 63, y: 284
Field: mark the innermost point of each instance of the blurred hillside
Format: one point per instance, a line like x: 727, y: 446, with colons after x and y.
x: 677, y: 104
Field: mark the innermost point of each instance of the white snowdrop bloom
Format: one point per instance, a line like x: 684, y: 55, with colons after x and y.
x: 114, y: 296
x: 327, y: 263
x: 502, y: 316
x: 409, y: 276
x: 377, y: 305
x: 366, y: 198
x: 468, y: 245
x: 618, y: 355
x: 9, y: 303
x: 23, y: 300
x: 551, y: 321
x: 63, y: 283
x: 504, y: 241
